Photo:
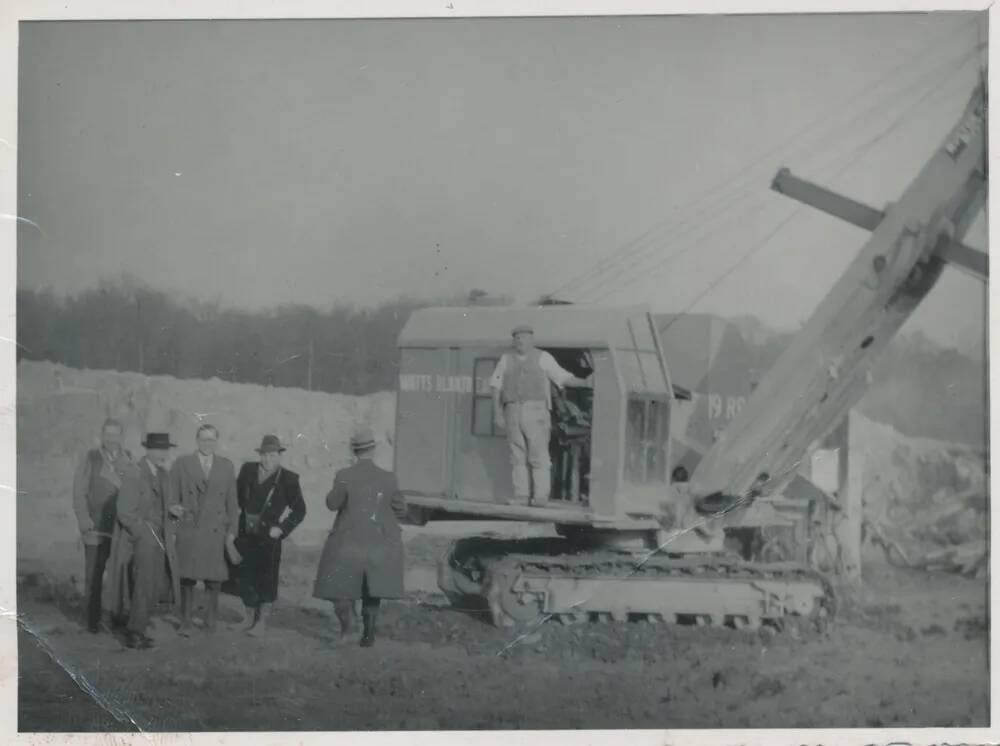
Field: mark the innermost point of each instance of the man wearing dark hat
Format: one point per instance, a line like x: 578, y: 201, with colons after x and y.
x: 265, y: 491
x: 96, y: 483
x: 521, y: 403
x: 142, y: 518
x: 363, y: 555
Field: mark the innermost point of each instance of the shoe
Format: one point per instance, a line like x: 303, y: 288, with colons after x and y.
x: 249, y: 620
x: 516, y: 500
x: 367, y: 641
x: 260, y: 628
x: 137, y: 640
x: 212, y: 612
x: 93, y: 627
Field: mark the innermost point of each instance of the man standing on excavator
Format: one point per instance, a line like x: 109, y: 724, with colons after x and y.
x: 521, y: 403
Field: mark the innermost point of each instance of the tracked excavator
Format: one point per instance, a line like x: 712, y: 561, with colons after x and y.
x: 650, y: 524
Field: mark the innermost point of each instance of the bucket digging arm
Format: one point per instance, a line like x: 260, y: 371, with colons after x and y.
x: 825, y: 370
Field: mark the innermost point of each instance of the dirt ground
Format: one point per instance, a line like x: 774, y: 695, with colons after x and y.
x: 909, y: 651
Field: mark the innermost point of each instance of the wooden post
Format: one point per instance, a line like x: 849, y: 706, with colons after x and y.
x: 847, y: 521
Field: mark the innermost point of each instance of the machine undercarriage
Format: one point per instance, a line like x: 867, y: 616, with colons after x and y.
x: 525, y: 581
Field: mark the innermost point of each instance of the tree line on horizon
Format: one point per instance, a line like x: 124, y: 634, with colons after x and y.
x: 918, y: 387
x: 125, y: 325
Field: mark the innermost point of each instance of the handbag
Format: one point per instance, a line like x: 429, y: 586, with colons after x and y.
x: 252, y: 521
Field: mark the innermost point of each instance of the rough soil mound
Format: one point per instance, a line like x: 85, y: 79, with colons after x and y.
x: 926, y: 499
x: 60, y: 410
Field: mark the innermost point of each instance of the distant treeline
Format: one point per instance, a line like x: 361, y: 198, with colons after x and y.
x: 918, y: 387
x: 126, y: 325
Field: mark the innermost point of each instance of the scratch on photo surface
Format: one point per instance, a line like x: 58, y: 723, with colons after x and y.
x: 26, y: 221
x: 15, y: 343
x: 106, y: 703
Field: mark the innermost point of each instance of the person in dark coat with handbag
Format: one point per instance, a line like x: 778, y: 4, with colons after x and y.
x: 363, y: 555
x: 266, y: 491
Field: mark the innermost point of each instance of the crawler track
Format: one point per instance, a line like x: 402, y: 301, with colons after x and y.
x: 523, y: 581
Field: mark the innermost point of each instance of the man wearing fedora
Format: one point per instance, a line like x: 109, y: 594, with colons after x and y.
x: 140, y: 539
x: 363, y: 555
x: 265, y: 491
x: 522, y: 401
x: 202, y: 499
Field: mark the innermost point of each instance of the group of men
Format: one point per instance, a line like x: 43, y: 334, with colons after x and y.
x: 160, y: 529
x: 157, y: 530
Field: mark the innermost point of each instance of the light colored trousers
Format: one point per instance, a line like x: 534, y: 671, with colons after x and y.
x: 528, y: 426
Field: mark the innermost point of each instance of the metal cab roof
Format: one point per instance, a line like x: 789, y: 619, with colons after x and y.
x: 554, y: 326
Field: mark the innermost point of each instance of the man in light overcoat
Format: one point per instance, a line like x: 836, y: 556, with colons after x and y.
x: 203, y: 502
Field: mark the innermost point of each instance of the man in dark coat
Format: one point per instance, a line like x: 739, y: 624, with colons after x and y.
x: 140, y: 540
x: 96, y: 483
x: 265, y: 491
x: 363, y: 555
x: 203, y: 502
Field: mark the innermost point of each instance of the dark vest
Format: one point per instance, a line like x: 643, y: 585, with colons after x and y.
x: 524, y: 380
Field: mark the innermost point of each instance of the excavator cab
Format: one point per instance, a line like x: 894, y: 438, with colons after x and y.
x: 609, y: 443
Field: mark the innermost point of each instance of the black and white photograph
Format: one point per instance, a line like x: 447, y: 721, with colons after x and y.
x: 468, y: 372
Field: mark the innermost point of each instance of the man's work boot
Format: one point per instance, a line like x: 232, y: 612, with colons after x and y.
x: 260, y: 628
x: 137, y: 640
x: 187, y: 610
x: 368, y: 618
x: 212, y: 610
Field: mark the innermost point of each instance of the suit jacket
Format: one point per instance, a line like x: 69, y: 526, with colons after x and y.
x: 142, y: 499
x: 287, y: 495
x: 95, y: 494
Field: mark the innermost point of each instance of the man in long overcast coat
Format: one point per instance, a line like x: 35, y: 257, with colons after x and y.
x: 203, y: 500
x: 363, y: 555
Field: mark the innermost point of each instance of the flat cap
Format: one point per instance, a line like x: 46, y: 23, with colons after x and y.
x: 522, y: 329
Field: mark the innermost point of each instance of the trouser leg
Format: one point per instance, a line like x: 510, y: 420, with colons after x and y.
x: 187, y: 605
x: 537, y: 427
x: 344, y: 609
x: 369, y: 615
x: 518, y: 451
x: 95, y: 560
x: 212, y: 588
x: 148, y: 559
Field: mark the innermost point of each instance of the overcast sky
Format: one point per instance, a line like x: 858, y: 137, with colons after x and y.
x: 266, y: 162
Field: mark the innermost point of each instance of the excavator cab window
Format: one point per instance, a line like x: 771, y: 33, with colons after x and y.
x: 569, y: 445
x: 646, y: 434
